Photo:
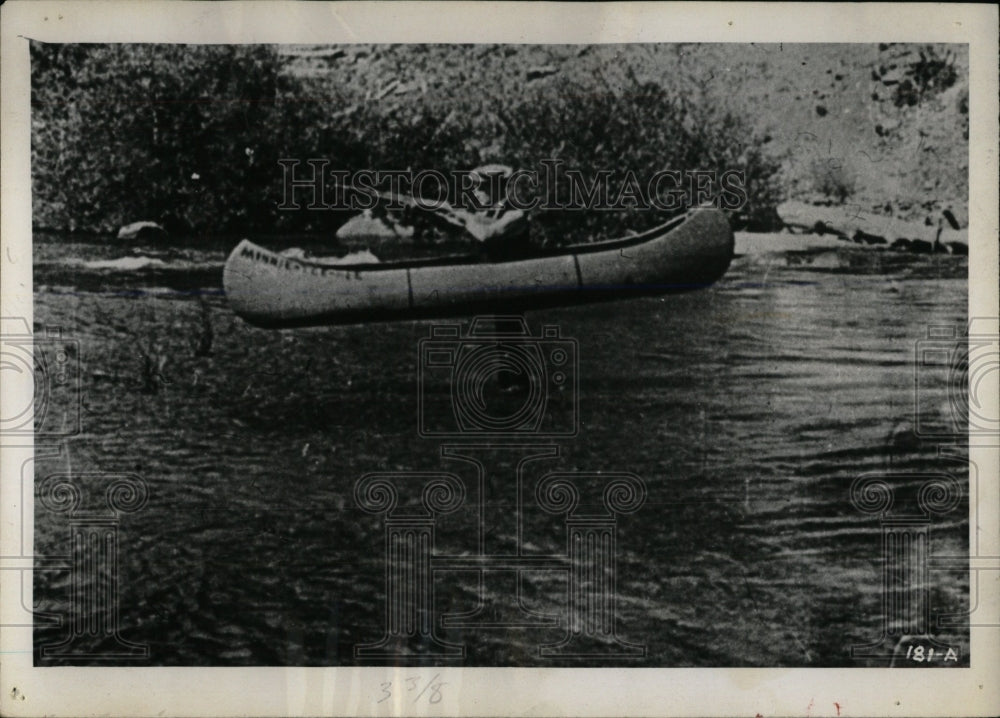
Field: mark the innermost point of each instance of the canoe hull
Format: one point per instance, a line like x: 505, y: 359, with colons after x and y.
x: 271, y: 290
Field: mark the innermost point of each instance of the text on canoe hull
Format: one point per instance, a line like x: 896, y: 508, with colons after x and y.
x: 291, y: 264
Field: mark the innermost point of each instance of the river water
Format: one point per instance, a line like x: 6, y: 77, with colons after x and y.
x: 746, y: 410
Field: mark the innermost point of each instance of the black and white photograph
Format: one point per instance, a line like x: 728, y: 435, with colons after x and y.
x: 555, y: 351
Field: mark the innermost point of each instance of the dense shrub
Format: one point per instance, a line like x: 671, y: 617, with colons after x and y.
x: 193, y: 134
x: 127, y: 132
x: 640, y: 129
x: 832, y: 179
x: 932, y: 73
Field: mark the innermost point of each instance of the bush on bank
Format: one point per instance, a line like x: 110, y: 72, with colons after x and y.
x: 191, y: 135
x: 128, y: 132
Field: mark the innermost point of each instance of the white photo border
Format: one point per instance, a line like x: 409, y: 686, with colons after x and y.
x: 26, y: 690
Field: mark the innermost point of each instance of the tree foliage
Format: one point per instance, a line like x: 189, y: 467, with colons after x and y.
x: 191, y: 135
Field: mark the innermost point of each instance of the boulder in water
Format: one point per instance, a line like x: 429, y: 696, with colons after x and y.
x: 535, y: 73
x: 142, y: 231
x: 873, y: 229
x: 125, y: 264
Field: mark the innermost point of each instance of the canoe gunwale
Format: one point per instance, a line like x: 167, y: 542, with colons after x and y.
x: 473, y: 259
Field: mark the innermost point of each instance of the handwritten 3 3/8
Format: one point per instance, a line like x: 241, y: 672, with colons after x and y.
x: 431, y: 689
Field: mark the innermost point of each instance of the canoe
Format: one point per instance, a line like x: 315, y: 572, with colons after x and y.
x: 271, y: 290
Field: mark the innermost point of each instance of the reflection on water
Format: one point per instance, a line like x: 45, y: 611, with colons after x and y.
x: 747, y: 410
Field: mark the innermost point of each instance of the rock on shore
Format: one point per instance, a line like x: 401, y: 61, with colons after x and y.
x: 852, y: 224
x: 142, y: 231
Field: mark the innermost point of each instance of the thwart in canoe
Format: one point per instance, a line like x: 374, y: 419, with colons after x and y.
x: 271, y: 290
